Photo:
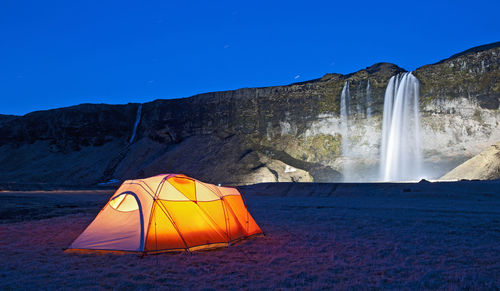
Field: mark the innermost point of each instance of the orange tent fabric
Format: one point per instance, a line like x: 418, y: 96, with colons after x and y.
x: 168, y: 213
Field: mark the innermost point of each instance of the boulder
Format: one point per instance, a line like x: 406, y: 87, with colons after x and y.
x: 484, y: 166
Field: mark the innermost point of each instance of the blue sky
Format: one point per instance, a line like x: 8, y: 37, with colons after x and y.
x: 62, y: 53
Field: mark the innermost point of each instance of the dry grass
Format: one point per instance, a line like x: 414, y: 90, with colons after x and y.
x: 355, y: 241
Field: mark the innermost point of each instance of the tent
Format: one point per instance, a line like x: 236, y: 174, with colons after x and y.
x: 168, y: 212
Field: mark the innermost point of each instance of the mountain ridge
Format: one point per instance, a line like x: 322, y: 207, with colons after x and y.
x: 371, y: 68
x: 252, y: 135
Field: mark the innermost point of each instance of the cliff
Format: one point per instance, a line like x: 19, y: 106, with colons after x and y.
x: 5, y: 118
x: 282, y: 133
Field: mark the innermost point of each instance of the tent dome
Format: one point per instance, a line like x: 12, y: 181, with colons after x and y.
x: 169, y: 212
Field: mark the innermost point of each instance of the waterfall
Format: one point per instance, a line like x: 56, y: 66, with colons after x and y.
x: 345, y: 99
x: 137, y: 120
x: 401, y: 156
x: 368, y: 101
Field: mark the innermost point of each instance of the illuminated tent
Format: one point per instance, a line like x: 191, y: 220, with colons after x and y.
x: 168, y: 213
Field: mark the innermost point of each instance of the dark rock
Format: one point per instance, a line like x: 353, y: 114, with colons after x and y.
x: 489, y: 101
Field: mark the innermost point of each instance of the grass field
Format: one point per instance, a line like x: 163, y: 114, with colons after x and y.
x: 317, y: 236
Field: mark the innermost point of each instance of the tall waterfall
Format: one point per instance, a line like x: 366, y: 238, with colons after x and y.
x: 345, y: 99
x: 137, y: 120
x: 401, y: 155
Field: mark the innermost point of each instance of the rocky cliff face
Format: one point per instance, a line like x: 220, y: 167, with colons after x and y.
x: 460, y: 106
x: 5, y: 118
x: 282, y: 133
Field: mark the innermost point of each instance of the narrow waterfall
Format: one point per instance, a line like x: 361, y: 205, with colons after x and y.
x: 368, y: 100
x: 136, y: 124
x: 401, y: 156
x: 345, y: 99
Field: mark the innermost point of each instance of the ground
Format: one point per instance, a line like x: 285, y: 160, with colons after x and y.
x: 317, y: 236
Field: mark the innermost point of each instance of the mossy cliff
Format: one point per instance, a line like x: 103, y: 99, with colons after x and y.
x: 282, y: 133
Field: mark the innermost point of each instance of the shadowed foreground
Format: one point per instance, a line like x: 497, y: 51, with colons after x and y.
x: 359, y: 235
